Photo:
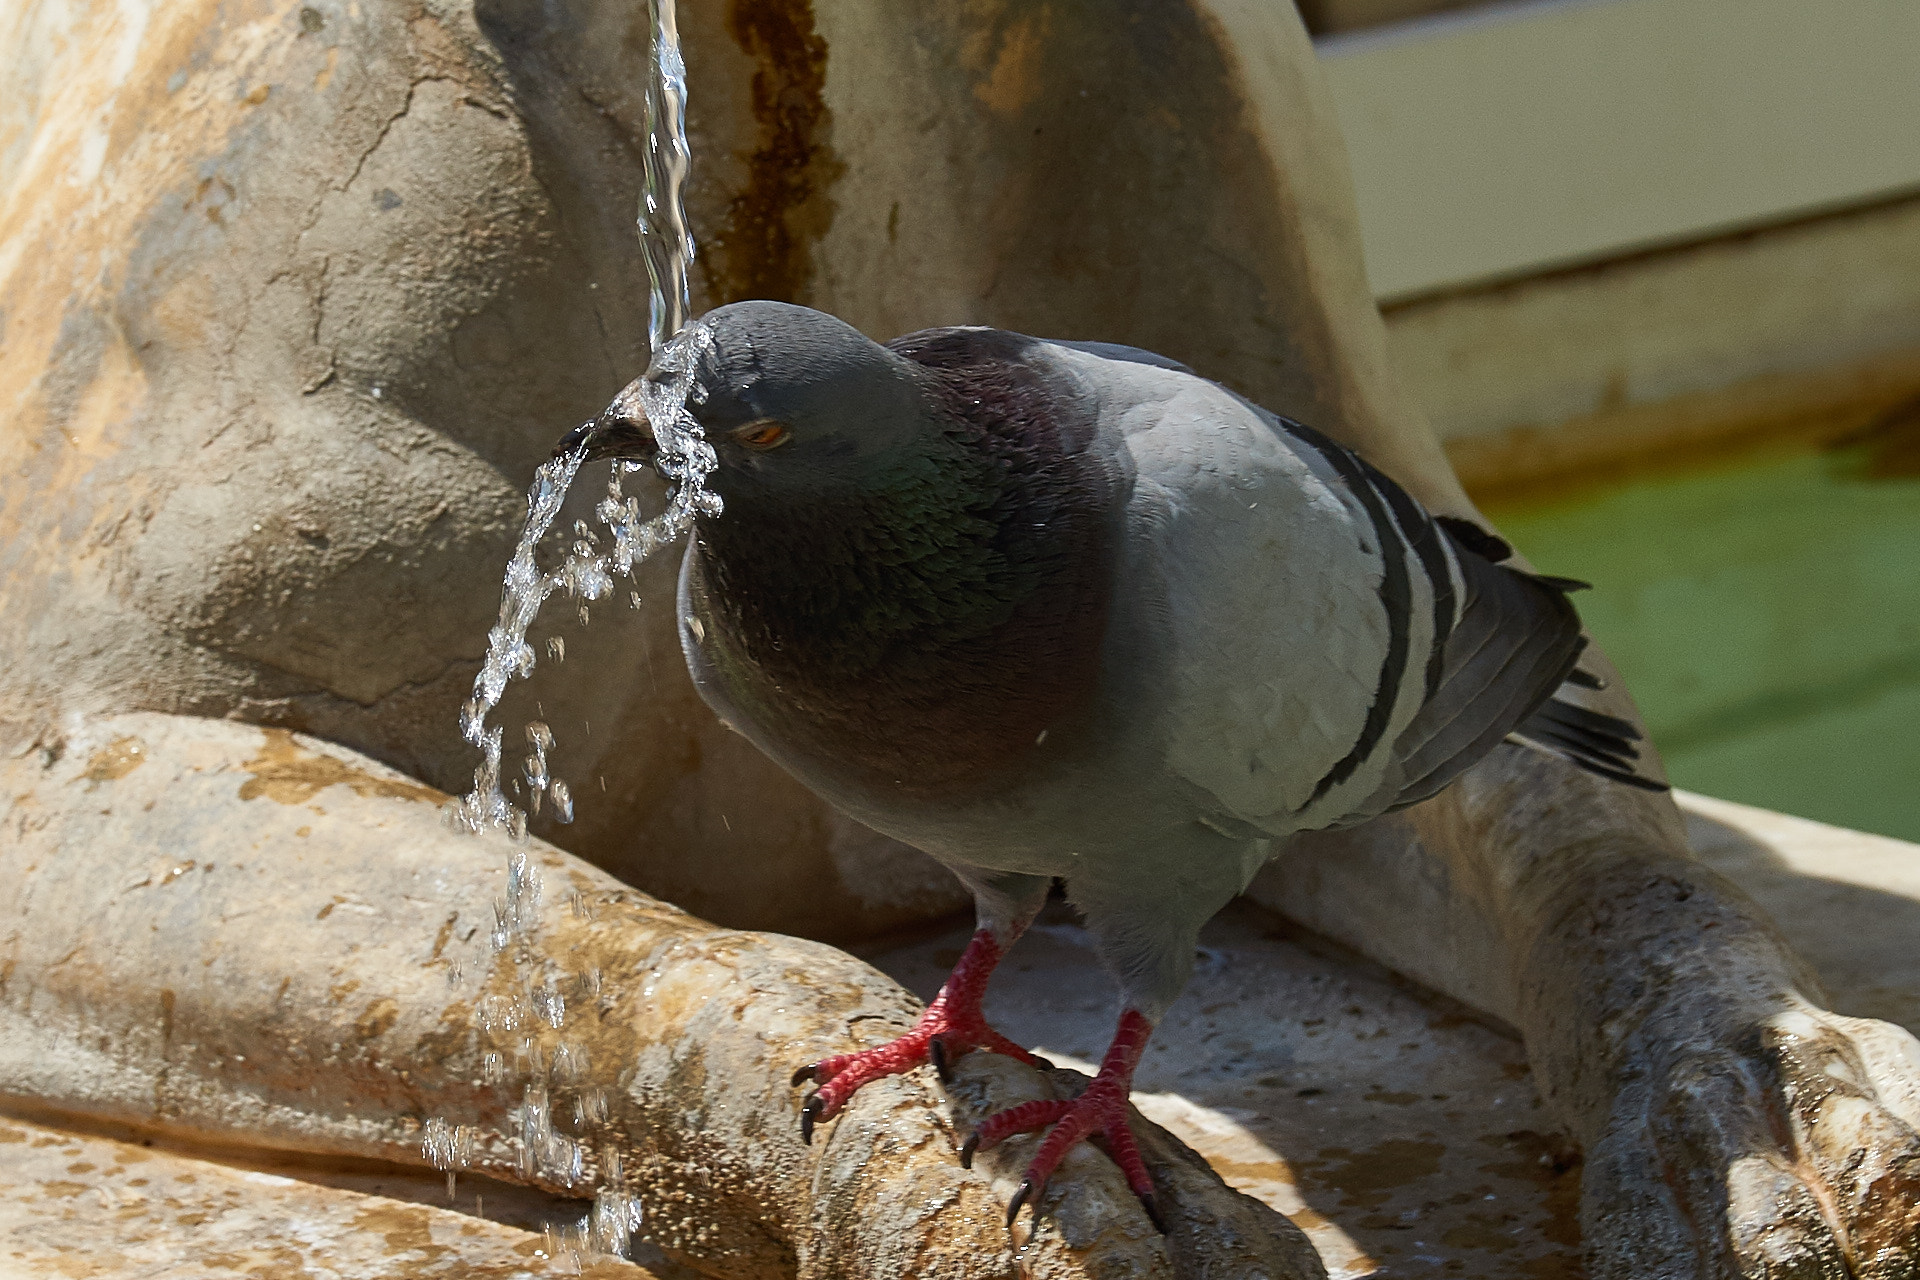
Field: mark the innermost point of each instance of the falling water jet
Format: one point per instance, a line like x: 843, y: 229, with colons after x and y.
x: 587, y: 573
x: 665, y: 239
x: 685, y: 459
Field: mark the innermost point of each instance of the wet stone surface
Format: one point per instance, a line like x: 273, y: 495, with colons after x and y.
x: 76, y: 1206
x: 1405, y: 1139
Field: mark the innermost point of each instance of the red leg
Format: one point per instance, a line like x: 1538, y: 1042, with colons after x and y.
x: 1100, y: 1112
x: 952, y: 1025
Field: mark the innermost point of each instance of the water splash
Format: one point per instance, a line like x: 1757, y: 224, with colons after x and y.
x: 685, y: 459
x: 536, y: 1008
x: 587, y: 573
x: 447, y: 1147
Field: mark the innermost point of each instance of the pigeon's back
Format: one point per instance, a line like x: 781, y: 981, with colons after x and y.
x: 1317, y: 648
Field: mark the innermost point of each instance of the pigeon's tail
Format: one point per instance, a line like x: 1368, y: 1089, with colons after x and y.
x: 1597, y: 742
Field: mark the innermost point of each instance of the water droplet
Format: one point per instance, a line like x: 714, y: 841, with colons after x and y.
x: 499, y: 1015
x: 550, y: 1004
x: 569, y: 1063
x: 615, y: 1217
x: 447, y: 1146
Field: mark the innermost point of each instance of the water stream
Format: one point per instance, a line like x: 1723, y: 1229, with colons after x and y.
x: 587, y: 573
x: 524, y: 1030
x: 665, y: 238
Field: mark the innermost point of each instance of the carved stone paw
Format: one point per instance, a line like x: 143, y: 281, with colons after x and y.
x: 1789, y: 1151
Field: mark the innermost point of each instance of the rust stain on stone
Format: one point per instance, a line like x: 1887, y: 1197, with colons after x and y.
x: 761, y: 248
x: 379, y: 1015
x: 1014, y: 83
x: 406, y: 1229
x: 446, y: 931
x: 288, y: 773
x: 116, y: 760
x: 62, y: 1189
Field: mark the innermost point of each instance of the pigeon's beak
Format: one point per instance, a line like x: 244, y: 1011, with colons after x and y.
x: 621, y: 431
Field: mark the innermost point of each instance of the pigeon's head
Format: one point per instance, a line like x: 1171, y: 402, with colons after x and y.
x: 790, y: 399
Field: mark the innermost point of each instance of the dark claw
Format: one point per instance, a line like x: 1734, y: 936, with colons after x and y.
x: 1019, y: 1198
x: 967, y: 1148
x: 937, y: 1055
x: 1026, y: 1192
x: 1153, y: 1214
x: 809, y: 1112
x: 804, y: 1074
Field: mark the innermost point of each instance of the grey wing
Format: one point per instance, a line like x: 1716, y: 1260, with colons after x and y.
x: 1504, y: 641
x: 1124, y: 353
x: 1516, y: 639
x: 1115, y: 351
x: 1514, y: 644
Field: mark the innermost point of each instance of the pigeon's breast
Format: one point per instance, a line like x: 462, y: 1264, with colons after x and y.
x: 888, y: 666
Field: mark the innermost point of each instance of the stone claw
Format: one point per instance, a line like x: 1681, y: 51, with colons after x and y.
x: 1785, y: 1147
x: 967, y: 1148
x: 804, y: 1074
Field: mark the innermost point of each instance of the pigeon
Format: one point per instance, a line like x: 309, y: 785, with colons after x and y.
x: 1069, y: 612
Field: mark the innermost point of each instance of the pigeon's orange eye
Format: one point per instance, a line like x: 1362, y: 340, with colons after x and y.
x: 761, y: 433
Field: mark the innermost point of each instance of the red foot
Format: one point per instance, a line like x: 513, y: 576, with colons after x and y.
x: 1100, y: 1113
x: 952, y: 1025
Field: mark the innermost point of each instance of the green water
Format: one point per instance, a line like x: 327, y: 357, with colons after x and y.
x: 1767, y: 618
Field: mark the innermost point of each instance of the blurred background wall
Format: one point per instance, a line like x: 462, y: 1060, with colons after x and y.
x: 1653, y: 267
